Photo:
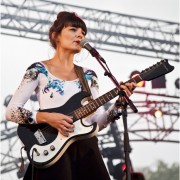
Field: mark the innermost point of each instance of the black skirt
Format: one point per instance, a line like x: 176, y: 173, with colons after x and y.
x: 81, y: 161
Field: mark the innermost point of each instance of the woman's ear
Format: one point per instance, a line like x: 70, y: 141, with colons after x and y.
x: 54, y: 37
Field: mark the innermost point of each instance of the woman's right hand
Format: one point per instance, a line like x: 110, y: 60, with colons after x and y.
x: 63, y: 123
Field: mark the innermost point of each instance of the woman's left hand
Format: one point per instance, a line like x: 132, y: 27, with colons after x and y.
x: 128, y: 88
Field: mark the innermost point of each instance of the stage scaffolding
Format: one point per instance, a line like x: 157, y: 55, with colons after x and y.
x: 110, y: 31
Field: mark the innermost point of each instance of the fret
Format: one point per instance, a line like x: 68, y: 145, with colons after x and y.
x: 100, y: 100
x: 94, y: 104
x: 104, y: 97
x: 76, y: 114
x: 85, y: 110
x: 111, y: 94
x: 91, y: 106
x: 80, y: 112
x: 116, y: 92
x: 107, y: 95
x: 87, y: 107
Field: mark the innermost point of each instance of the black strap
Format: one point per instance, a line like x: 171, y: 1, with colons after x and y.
x: 81, y: 76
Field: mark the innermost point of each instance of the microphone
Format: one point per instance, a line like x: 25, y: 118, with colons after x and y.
x: 85, y: 44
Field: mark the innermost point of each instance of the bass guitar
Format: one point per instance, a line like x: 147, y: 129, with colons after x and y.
x: 45, y: 145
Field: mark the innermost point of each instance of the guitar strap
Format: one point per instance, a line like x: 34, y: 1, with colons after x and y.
x: 82, y: 78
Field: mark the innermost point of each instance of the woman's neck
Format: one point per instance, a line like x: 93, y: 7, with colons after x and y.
x: 63, y: 59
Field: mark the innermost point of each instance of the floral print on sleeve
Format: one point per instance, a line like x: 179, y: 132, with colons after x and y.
x: 92, y: 77
x: 51, y: 91
x: 21, y: 115
x: 32, y: 74
x: 33, y: 71
x: 15, y: 110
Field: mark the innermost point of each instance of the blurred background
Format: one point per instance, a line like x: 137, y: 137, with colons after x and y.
x: 131, y: 36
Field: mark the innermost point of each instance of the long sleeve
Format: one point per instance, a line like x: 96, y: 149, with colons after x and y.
x: 51, y: 92
x: 100, y: 116
x: 15, y: 111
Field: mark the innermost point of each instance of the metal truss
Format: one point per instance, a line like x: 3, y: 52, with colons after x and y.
x: 108, y: 31
x: 162, y: 129
x: 11, y: 149
x: 142, y: 126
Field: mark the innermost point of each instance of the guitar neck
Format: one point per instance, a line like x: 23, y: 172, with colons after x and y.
x: 93, y: 105
x: 157, y: 70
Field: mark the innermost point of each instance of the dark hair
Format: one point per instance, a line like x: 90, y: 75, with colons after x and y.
x: 65, y: 19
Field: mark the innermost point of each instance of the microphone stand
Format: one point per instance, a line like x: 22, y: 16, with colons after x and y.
x: 124, y: 102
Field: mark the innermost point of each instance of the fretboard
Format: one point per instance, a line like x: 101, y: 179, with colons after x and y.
x: 93, y: 105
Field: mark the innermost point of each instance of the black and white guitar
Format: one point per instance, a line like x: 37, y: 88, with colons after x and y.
x: 43, y: 143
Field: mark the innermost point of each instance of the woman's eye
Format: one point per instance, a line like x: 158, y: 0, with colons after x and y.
x: 73, y: 29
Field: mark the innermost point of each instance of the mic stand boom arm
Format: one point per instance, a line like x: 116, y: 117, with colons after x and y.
x: 124, y: 102
x: 108, y: 73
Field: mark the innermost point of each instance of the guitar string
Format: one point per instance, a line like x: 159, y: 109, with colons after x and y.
x: 80, y: 112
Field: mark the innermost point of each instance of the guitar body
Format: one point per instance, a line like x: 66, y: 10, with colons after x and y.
x: 44, y: 144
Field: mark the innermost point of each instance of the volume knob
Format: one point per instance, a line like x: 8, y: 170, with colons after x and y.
x: 45, y: 152
x: 52, y: 148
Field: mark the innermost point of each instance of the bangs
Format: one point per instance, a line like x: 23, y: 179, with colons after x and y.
x: 65, y: 19
x: 76, y: 22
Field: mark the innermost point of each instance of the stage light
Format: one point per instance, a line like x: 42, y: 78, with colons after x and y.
x: 134, y: 74
x: 119, y: 171
x: 177, y: 83
x: 123, y: 167
x: 157, y: 113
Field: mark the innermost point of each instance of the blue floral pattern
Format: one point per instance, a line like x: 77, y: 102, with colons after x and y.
x: 33, y: 71
x: 92, y: 77
x: 46, y: 86
x: 57, y: 84
x: 78, y: 85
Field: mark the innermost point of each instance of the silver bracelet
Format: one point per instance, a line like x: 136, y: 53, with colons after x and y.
x: 114, y: 114
x: 31, y: 120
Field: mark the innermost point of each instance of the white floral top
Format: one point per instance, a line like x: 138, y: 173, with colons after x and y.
x: 51, y: 92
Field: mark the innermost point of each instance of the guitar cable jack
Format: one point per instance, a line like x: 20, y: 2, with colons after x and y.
x: 36, y: 151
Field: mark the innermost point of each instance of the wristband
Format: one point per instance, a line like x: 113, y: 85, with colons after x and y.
x: 31, y: 120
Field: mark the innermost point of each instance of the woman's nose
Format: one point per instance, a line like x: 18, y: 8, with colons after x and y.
x: 80, y: 33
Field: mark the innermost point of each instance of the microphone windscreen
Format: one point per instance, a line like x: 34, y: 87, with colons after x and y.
x: 83, y: 43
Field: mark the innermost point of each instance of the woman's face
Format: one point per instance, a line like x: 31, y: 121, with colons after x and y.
x: 69, y: 39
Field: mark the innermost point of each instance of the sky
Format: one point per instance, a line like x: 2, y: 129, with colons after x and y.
x: 18, y: 53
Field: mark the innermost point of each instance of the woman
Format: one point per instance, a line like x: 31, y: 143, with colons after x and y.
x: 55, y: 81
